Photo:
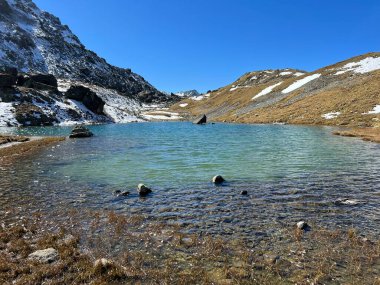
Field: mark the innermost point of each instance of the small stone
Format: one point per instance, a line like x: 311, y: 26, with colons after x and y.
x: 218, y: 179
x: 302, y: 225
x: 271, y: 258
x: 143, y: 190
x: 45, y: 255
x: 103, y: 265
x: 125, y: 193
x: 244, y: 192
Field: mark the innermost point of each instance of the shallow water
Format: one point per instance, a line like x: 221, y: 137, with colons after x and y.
x: 290, y: 173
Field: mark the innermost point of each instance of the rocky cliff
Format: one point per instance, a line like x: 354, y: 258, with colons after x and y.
x: 35, y: 42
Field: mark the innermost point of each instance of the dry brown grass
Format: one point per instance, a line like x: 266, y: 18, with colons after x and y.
x: 140, y: 252
x: 352, y: 96
x: 27, y: 147
x: 367, y: 134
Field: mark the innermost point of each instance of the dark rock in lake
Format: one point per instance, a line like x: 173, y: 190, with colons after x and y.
x: 143, y: 190
x: 218, y: 179
x: 80, y: 132
x: 38, y: 81
x: 200, y: 120
x: 244, y: 192
x: 125, y: 193
x: 89, y: 98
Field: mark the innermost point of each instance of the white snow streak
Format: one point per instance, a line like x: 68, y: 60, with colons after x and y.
x: 365, y: 65
x: 267, y: 90
x: 300, y: 83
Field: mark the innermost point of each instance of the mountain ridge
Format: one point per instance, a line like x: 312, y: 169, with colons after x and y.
x: 345, y: 93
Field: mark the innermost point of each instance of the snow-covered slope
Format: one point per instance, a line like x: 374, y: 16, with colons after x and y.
x: 36, y: 41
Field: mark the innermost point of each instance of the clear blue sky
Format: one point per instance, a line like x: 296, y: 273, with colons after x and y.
x: 205, y: 44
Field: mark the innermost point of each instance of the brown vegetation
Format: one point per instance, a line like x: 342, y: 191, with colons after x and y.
x: 26, y: 147
x: 367, y: 134
x: 138, y: 252
x: 351, y: 94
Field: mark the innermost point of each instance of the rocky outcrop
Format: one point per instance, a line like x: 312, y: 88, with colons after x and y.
x: 37, y: 81
x: 88, y: 97
x: 28, y: 114
x: 8, y: 76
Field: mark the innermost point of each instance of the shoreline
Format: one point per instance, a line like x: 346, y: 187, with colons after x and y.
x: 366, y: 134
x: 21, y: 145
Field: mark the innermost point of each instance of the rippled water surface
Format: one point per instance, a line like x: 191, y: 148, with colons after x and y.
x: 290, y: 173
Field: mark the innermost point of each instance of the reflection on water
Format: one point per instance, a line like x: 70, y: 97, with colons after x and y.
x: 290, y: 173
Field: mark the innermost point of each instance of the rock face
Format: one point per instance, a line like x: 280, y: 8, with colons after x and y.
x: 8, y: 76
x: 28, y: 114
x: 45, y: 256
x: 201, y: 120
x: 38, y: 81
x: 143, y: 190
x: 89, y: 98
x: 80, y: 132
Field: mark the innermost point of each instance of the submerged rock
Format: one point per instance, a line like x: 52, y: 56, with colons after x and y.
x: 218, y: 179
x: 302, y: 225
x: 143, y: 190
x: 244, y: 192
x: 80, y: 132
x: 201, y: 120
x: 45, y: 256
x: 349, y: 202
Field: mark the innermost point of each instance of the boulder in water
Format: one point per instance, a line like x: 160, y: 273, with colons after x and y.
x: 80, y: 132
x: 143, y: 190
x: 201, y: 120
x: 244, y: 192
x: 218, y: 179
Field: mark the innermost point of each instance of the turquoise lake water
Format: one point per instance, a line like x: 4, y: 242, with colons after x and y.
x: 290, y: 173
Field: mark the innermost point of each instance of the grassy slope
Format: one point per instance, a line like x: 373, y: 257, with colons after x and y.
x: 351, y: 94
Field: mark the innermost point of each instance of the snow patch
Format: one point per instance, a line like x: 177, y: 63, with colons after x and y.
x: 331, y: 115
x: 6, y: 115
x: 300, y: 83
x: 363, y: 66
x: 183, y: 105
x: 286, y: 73
x: 376, y: 110
x: 267, y: 90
